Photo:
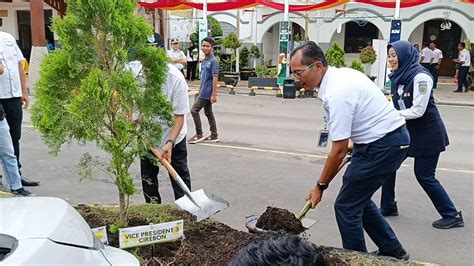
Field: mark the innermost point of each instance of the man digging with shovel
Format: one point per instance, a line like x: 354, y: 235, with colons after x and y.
x: 355, y: 109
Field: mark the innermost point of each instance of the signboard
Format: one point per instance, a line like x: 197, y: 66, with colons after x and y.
x: 202, y: 30
x: 395, y: 30
x: 101, y: 234
x: 150, y: 234
x: 379, y: 68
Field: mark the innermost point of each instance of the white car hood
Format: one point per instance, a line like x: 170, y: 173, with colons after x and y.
x: 43, y: 217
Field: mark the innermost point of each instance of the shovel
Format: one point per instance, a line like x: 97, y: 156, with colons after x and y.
x: 199, y: 203
x: 307, y: 206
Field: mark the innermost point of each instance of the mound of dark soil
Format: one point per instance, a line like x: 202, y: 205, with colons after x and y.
x: 276, y: 219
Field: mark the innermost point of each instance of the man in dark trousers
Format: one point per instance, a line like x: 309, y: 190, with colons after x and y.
x: 464, y: 63
x: 14, y: 93
x: 355, y: 109
x: 207, y: 94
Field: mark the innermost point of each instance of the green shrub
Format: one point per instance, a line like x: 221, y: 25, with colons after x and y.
x: 335, y: 56
x: 357, y: 65
x: 368, y: 55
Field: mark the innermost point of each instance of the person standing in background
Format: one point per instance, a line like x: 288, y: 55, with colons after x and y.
x: 464, y: 62
x: 437, y: 57
x: 426, y: 57
x: 14, y: 93
x: 192, y: 62
x: 178, y: 58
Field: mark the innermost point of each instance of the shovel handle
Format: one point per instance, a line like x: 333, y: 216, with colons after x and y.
x: 307, y: 206
x: 172, y: 172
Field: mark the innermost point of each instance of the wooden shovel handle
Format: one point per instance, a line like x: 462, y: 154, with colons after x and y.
x: 165, y: 163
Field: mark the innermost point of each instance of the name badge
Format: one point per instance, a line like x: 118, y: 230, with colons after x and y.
x: 323, y: 138
x: 401, y: 103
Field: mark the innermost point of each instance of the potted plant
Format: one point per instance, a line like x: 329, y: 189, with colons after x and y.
x: 245, y: 71
x: 266, y: 77
x: 357, y: 65
x: 368, y: 57
x: 255, y: 54
x: 86, y: 95
x: 335, y: 55
x: 231, y: 42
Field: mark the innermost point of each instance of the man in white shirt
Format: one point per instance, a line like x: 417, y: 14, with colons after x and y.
x: 173, y: 141
x: 356, y: 110
x: 178, y: 58
x: 13, y: 93
x: 437, y: 58
x: 464, y: 62
x: 426, y: 57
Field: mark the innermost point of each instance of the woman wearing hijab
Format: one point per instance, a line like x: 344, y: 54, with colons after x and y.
x: 413, y: 98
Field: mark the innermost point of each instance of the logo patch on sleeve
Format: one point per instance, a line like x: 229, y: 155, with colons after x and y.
x: 422, y: 86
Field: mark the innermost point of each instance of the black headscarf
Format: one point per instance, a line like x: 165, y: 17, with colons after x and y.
x: 408, y: 66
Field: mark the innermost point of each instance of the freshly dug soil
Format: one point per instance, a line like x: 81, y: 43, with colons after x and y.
x: 276, y: 219
x: 206, y: 242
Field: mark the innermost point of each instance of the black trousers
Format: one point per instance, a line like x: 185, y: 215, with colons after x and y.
x: 434, y: 73
x: 149, y: 174
x: 14, y: 114
x: 462, y: 79
x: 191, y: 70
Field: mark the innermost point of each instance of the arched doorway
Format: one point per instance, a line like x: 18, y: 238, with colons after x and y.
x: 358, y: 35
x: 271, y: 42
x: 446, y: 40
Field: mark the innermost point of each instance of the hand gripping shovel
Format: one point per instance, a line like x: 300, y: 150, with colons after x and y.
x: 197, y: 202
x: 301, y: 216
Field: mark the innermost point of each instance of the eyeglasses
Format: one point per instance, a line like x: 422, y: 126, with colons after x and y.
x: 296, y: 75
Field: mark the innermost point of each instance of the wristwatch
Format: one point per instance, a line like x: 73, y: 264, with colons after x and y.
x: 170, y: 141
x: 322, y: 186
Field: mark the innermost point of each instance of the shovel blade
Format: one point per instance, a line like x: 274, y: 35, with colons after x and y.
x: 207, y: 204
x: 307, y: 223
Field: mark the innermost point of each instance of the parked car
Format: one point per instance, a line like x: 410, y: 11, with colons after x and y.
x: 48, y: 231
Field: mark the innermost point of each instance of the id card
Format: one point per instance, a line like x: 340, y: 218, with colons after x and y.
x: 323, y: 138
x: 401, y: 103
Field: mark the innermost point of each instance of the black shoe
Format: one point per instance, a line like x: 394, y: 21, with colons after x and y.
x: 400, y: 254
x: 457, y: 91
x: 22, y: 192
x: 26, y: 182
x: 449, y: 222
x: 391, y: 212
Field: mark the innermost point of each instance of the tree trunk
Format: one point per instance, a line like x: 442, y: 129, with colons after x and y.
x: 123, y: 209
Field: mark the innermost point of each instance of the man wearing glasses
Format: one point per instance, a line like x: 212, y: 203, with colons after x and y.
x: 178, y: 58
x: 355, y: 109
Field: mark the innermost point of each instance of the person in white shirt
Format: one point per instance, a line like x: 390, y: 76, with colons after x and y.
x: 178, y: 58
x: 357, y: 110
x: 464, y: 62
x: 426, y: 57
x: 173, y: 142
x: 436, y: 63
x: 14, y: 93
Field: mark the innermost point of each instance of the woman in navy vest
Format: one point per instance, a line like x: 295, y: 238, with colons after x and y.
x: 412, y: 95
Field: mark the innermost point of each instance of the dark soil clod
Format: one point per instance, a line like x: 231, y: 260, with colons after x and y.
x: 276, y: 219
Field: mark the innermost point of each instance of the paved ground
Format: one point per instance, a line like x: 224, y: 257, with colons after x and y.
x: 268, y: 156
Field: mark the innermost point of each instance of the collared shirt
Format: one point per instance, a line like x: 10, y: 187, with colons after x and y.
x: 176, y: 54
x: 355, y: 107
x: 465, y: 56
x: 437, y: 56
x: 209, y: 69
x: 422, y: 86
x: 175, y: 89
x: 427, y: 54
x: 10, y: 56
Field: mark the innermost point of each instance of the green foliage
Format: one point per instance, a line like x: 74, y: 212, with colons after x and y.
x: 244, y: 57
x: 265, y: 72
x: 255, y: 52
x: 357, y: 65
x: 368, y: 55
x: 216, y: 29
x: 84, y: 93
x: 194, y: 37
x: 300, y: 38
x: 231, y: 42
x: 335, y: 55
